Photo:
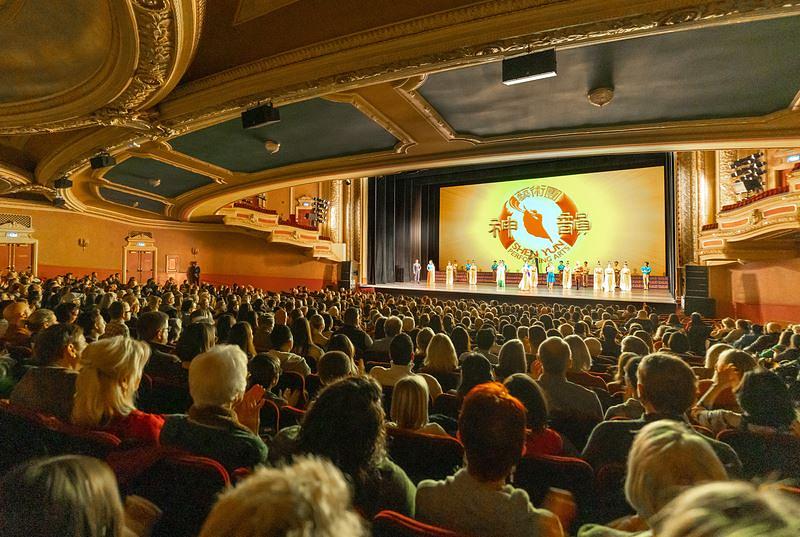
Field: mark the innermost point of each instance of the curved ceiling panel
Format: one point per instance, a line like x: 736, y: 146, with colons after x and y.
x: 45, y: 55
x: 308, y: 131
x: 131, y: 200
x: 155, y: 177
x: 740, y: 70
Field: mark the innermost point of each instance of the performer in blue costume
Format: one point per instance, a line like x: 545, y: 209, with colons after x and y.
x: 646, y: 270
x: 551, y: 275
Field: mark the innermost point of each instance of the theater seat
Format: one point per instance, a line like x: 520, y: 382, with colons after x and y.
x: 184, y: 487
x: 586, y: 380
x: 447, y: 405
x: 313, y: 386
x: 163, y: 396
x: 424, y: 456
x: 575, y: 428
x: 773, y: 455
x: 290, y: 416
x: 536, y: 474
x: 609, y: 502
x: 293, y: 381
x: 391, y: 524
x: 270, y: 418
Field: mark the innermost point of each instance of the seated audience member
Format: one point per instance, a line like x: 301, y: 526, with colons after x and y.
x: 356, y: 444
x: 410, y: 407
x: 580, y: 358
x: 790, y: 353
x: 742, y: 327
x: 511, y: 359
x: 564, y: 398
x: 335, y: 365
x: 352, y: 329
x: 765, y: 402
x: 302, y: 342
x: 631, y: 408
x: 666, y: 388
x: 475, y: 370
x: 712, y: 357
x: 17, y: 333
x: 265, y: 370
x: 241, y: 335
x: 282, y: 343
x: 310, y: 497
x: 69, y: 496
x: 195, y: 339
x: 731, y: 366
x: 608, y: 340
x: 635, y: 345
x: 477, y: 500
x: 766, y: 340
x: 730, y: 509
x: 92, y: 323
x: 422, y: 340
x: 391, y: 327
x: 698, y: 333
x: 749, y: 337
x: 725, y: 327
x: 224, y: 420
x: 39, y: 320
x: 110, y: 373
x: 441, y: 362
x: 340, y: 342
x: 261, y: 337
x: 318, y: 335
x: 49, y: 387
x: 153, y: 328
x: 485, y: 342
x: 666, y: 458
x: 460, y: 340
x: 67, y: 312
x: 401, y: 352
x: 120, y: 313
x: 539, y: 438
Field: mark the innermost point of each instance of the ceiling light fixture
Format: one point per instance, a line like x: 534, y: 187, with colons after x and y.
x: 272, y: 146
x: 528, y: 67
x: 260, y: 116
x: 155, y: 183
x: 601, y: 96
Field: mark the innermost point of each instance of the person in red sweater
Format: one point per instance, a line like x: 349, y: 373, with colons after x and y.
x: 539, y: 438
x: 111, y: 370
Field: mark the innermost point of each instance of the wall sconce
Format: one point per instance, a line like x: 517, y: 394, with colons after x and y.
x: 83, y: 243
x: 195, y: 251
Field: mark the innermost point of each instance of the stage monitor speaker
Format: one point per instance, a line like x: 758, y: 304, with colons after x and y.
x: 707, y: 307
x: 696, y: 281
x: 399, y: 273
x: 346, y: 275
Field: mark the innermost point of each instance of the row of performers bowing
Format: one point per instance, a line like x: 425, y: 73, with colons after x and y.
x: 607, y: 279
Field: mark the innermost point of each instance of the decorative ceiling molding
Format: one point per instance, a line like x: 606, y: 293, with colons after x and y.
x: 153, y: 42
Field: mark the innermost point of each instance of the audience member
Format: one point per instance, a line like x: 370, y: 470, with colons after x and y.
x: 539, y: 438
x: 564, y: 398
x: 410, y: 406
x: 282, y: 343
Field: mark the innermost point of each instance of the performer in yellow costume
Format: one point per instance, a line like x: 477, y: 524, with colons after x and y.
x: 431, y: 273
x: 449, y: 274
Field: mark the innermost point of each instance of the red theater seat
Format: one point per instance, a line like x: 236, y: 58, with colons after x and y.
x: 773, y: 455
x: 424, y: 456
x: 391, y: 524
x: 536, y: 474
x: 447, y: 405
x: 290, y: 416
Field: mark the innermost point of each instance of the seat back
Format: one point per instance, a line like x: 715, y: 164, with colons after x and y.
x: 773, y: 455
x: 313, y: 386
x: 424, y: 456
x: 159, y: 395
x: 293, y: 381
x: 576, y: 429
x: 185, y: 488
x: 392, y: 524
x: 446, y: 404
x: 290, y: 416
x: 586, y: 380
x: 270, y: 418
x: 376, y: 356
x: 610, y: 502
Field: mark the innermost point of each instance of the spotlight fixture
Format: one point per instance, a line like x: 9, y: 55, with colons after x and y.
x: 528, y: 67
x: 62, y: 182
x: 102, y: 160
x: 59, y: 202
x: 601, y: 96
x: 272, y: 146
x: 259, y: 116
x: 747, y: 172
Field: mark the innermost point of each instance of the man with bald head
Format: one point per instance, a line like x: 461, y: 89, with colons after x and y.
x: 16, y: 315
x: 564, y: 398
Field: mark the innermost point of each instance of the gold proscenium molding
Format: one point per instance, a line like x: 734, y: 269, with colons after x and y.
x: 152, y: 43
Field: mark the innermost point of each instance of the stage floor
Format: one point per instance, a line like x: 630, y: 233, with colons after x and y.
x: 660, y: 297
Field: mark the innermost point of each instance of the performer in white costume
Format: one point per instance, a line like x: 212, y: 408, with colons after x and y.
x: 473, y: 273
x: 566, y: 276
x: 534, y: 269
x: 525, y: 280
x: 625, y: 283
x: 431, y: 273
x: 416, y: 268
x: 609, y: 281
x: 501, y: 274
x: 598, y: 277
x: 449, y: 274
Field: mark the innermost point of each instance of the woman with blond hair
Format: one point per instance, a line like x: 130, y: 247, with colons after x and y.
x: 581, y: 359
x: 111, y: 370
x: 441, y: 361
x: 410, y: 407
x: 511, y: 359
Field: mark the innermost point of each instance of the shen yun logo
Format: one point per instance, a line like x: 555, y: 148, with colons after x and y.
x: 539, y: 221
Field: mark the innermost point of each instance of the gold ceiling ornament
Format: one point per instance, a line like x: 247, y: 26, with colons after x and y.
x: 600, y: 96
x: 150, y: 52
x: 46, y: 191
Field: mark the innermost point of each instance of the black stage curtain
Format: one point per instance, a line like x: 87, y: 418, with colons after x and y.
x: 403, y: 222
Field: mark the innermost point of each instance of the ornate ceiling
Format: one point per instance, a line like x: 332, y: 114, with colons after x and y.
x: 367, y: 88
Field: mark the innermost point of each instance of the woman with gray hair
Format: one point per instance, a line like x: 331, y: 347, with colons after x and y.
x: 223, y: 421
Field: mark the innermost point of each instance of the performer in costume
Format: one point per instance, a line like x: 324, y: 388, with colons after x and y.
x: 534, y: 271
x: 585, y: 275
x: 566, y: 276
x: 609, y: 279
x: 431, y: 273
x: 448, y: 279
x: 473, y: 273
x: 494, y: 265
x: 577, y: 274
x: 616, y: 273
x: 561, y: 266
x: 551, y: 275
x: 598, y: 277
x: 625, y: 283
x: 524, y: 281
x: 646, y: 270
x: 416, y: 268
x: 501, y: 274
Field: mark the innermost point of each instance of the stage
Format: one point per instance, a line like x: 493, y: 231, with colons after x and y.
x: 661, y: 300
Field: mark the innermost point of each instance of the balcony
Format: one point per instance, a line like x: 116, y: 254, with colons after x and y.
x: 282, y: 231
x: 761, y: 227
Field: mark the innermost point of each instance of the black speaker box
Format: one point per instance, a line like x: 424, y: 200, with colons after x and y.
x: 707, y: 307
x: 696, y: 279
x: 258, y: 117
x: 102, y: 160
x: 399, y: 274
